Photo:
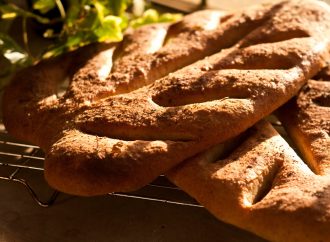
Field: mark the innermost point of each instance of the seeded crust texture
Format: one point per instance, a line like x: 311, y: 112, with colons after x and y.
x: 261, y: 186
x: 136, y: 109
x: 307, y: 120
x: 257, y: 182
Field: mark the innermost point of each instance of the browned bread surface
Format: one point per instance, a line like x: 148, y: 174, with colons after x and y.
x: 119, y: 124
x: 307, y: 120
x: 262, y: 186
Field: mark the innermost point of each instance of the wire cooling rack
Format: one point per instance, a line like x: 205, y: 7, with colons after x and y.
x: 19, y: 161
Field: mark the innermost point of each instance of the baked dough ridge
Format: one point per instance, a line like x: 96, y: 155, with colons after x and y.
x: 136, y: 109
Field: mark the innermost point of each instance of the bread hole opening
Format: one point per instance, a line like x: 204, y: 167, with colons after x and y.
x: 127, y: 134
x: 323, y: 100
x: 204, y: 88
x: 193, y: 98
x: 295, y: 144
x: 231, y: 145
x: 266, y: 183
x: 87, y: 63
x: 255, y: 61
x: 222, y: 151
x: 62, y: 87
x: 278, y: 126
x: 323, y: 75
x: 273, y: 37
x: 215, y: 20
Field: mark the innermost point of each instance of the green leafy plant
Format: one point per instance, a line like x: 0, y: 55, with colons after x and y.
x: 81, y: 22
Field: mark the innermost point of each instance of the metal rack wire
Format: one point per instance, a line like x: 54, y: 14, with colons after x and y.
x: 17, y: 157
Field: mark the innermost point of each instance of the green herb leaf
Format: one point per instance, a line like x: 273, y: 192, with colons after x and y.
x: 78, y: 23
x: 152, y: 16
x: 12, y: 51
x: 100, y: 9
x: 169, y: 17
x: 117, y: 7
x: 110, y: 29
x: 13, y: 10
x: 73, y: 13
x: 44, y: 5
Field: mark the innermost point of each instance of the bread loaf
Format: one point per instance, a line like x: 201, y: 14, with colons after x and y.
x: 138, y: 108
x: 261, y: 186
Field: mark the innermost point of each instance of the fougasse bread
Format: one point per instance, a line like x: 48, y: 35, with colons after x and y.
x: 167, y: 92
x: 261, y: 186
x: 307, y: 120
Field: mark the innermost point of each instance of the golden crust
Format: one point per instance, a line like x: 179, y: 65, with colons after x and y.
x: 307, y: 120
x: 262, y: 186
x: 271, y: 51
